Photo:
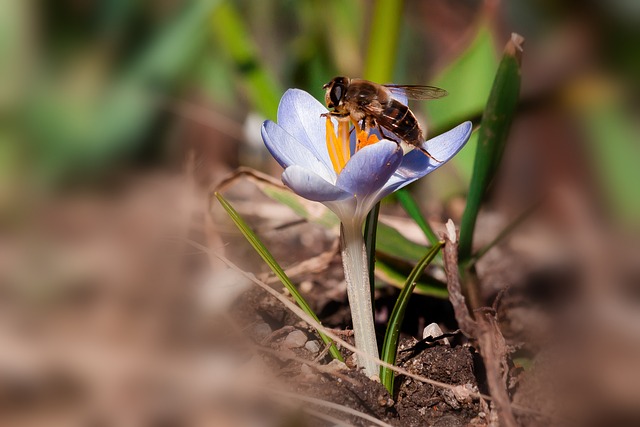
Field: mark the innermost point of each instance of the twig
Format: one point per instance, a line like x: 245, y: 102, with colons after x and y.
x: 335, y: 406
x: 484, y: 330
x: 465, y: 321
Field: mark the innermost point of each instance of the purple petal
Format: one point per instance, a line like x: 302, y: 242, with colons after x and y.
x: 288, y: 151
x: 400, y: 97
x: 311, y: 186
x: 416, y: 164
x: 444, y: 146
x: 370, y: 168
x: 299, y: 114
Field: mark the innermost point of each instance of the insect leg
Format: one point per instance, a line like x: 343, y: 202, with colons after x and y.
x: 335, y: 114
x: 426, y: 153
x: 385, y: 136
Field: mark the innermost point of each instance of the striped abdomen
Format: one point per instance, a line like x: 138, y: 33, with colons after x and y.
x: 398, y: 118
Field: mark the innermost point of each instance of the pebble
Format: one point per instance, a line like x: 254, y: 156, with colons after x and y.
x: 385, y: 401
x: 306, y: 369
x: 262, y: 330
x: 336, y: 365
x: 313, y: 346
x: 352, y: 361
x: 306, y: 286
x: 295, y: 339
x: 433, y: 330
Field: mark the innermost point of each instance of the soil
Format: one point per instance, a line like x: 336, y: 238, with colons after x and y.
x: 149, y: 338
x: 537, y: 305
x: 414, y: 403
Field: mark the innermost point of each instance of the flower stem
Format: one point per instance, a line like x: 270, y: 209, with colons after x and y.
x: 370, y: 231
x: 356, y: 274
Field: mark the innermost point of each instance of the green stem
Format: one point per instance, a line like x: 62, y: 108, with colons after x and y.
x: 356, y: 274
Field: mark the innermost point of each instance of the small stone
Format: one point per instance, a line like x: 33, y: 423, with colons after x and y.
x: 306, y: 369
x: 336, y: 365
x: 385, y: 401
x: 295, y: 339
x: 450, y: 399
x: 306, y: 286
x: 352, y: 361
x: 312, y: 346
x: 433, y: 330
x: 464, y: 393
x: 262, y: 330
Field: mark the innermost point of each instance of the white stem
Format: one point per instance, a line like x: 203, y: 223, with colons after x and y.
x: 356, y: 274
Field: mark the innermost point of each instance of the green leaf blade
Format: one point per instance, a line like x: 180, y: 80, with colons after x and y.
x: 430, y: 288
x: 264, y: 253
x: 492, y: 137
x: 411, y: 207
x: 390, y: 346
x: 261, y: 88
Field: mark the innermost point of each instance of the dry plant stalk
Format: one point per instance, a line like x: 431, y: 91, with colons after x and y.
x: 484, y: 330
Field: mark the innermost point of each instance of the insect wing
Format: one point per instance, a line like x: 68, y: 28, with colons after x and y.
x: 417, y: 92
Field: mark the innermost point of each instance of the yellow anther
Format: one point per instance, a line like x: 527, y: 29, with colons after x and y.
x: 338, y: 143
x: 343, y: 137
x: 332, y: 145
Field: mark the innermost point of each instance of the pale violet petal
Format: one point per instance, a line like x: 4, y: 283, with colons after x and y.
x: 288, y: 151
x: 416, y: 164
x: 445, y: 146
x: 312, y: 186
x: 401, y: 97
x: 370, y: 168
x: 299, y: 114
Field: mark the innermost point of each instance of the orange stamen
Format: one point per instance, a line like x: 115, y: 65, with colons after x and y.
x: 332, y: 146
x: 338, y: 143
x: 365, y: 139
x: 343, y: 136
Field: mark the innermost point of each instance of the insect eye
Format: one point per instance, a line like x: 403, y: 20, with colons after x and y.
x: 336, y: 94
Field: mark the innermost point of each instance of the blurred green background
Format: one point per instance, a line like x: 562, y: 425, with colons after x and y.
x: 94, y: 88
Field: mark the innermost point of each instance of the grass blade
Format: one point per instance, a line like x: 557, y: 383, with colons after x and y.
x: 411, y: 207
x: 496, y: 122
x: 261, y: 88
x: 431, y: 287
x: 390, y: 346
x: 392, y: 244
x: 275, y: 267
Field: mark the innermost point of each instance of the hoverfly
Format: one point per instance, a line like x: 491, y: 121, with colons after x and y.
x: 374, y: 105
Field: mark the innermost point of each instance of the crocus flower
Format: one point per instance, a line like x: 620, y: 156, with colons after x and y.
x: 349, y: 172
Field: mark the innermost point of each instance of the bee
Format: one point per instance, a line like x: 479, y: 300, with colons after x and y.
x: 374, y: 105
